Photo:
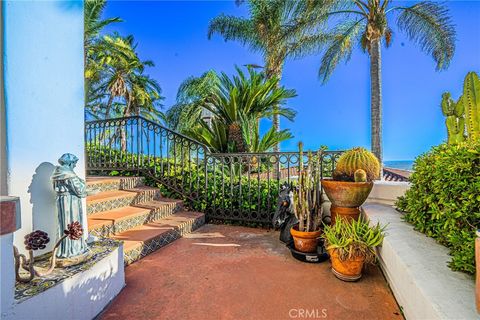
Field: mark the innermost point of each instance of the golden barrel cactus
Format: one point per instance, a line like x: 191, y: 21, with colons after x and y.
x: 354, y: 159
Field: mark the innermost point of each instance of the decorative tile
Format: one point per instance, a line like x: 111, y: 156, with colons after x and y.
x: 161, y: 212
x: 100, y: 250
x: 162, y: 240
x: 110, y: 204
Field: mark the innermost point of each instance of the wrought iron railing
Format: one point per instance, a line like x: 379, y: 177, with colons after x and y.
x: 227, y: 186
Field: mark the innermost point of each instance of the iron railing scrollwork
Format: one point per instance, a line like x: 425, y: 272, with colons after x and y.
x: 226, y: 186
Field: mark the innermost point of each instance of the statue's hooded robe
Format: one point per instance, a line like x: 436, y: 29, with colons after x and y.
x: 70, y: 189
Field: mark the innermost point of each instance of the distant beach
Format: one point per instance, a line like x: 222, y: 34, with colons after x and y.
x: 400, y: 164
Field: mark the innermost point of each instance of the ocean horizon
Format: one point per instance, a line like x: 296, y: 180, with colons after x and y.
x: 399, y: 164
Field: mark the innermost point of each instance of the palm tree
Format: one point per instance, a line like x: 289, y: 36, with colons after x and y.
x: 93, y: 45
x: 192, y: 94
x: 236, y: 105
x: 278, y: 29
x: 426, y: 23
x: 247, y: 97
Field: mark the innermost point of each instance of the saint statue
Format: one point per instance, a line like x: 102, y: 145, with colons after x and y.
x: 70, y: 190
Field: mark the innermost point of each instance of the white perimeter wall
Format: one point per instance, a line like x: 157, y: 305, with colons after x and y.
x: 44, y: 98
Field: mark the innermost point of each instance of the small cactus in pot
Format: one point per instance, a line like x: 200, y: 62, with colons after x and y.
x: 354, y: 159
x: 352, y: 182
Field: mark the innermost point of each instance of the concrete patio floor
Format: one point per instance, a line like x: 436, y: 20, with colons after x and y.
x: 226, y: 272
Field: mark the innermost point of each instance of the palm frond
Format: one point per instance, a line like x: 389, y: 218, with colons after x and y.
x: 340, y: 48
x: 235, y: 28
x: 429, y: 25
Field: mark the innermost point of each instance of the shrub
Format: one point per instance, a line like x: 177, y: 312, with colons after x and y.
x: 444, y: 199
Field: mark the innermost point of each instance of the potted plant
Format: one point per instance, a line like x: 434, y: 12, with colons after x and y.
x: 352, y: 182
x: 307, y: 204
x: 350, y: 245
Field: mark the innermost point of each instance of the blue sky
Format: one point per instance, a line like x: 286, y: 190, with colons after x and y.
x: 174, y: 35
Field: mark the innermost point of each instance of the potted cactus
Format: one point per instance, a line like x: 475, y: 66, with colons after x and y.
x: 352, y: 182
x: 350, y: 245
x: 307, y: 205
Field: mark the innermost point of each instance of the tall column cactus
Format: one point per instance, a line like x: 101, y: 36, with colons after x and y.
x: 471, y: 101
x: 307, y: 195
x: 463, y: 117
x: 455, y: 121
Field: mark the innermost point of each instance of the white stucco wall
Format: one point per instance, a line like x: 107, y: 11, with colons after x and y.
x: 44, y: 93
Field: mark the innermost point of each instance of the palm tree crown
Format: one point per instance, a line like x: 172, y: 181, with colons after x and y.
x: 278, y: 29
x: 367, y: 23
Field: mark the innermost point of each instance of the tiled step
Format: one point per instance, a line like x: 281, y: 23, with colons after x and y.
x: 145, y: 239
x: 114, y: 199
x: 107, y: 223
x: 101, y: 184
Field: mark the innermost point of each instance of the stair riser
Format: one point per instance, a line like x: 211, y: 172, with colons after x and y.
x: 142, y: 196
x: 124, y: 183
x: 147, y: 248
x: 126, y: 224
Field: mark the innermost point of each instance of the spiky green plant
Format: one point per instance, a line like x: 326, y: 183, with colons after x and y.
x: 307, y: 194
x: 455, y: 121
x: 471, y: 101
x: 463, y: 117
x: 360, y: 175
x: 354, y: 159
x: 355, y: 238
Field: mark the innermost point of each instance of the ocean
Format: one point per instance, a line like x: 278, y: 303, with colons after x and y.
x: 399, y: 164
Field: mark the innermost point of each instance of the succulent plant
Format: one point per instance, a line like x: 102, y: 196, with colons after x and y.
x: 463, y: 117
x: 36, y: 240
x: 471, y: 101
x: 360, y: 175
x: 354, y: 159
x: 307, y: 194
x: 74, y: 230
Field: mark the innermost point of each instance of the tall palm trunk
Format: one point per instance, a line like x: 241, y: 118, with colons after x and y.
x: 109, y: 106
x: 376, y: 98
x: 275, y: 70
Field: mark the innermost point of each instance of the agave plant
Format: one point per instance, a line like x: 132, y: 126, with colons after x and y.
x: 355, y: 238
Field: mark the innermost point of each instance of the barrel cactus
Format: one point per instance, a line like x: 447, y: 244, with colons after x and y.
x: 354, y: 159
x: 360, y: 175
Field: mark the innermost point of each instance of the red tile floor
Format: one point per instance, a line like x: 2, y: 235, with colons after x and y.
x: 227, y: 272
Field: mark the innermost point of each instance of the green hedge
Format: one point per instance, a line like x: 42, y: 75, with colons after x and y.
x: 444, y: 199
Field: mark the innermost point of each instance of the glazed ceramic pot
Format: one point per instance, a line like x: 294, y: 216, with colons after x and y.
x: 305, y: 241
x: 345, y: 193
x: 348, y: 270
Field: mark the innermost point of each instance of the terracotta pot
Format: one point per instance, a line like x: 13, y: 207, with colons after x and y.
x: 348, y: 270
x: 305, y: 241
x: 347, y: 194
x: 477, y: 263
x: 346, y: 212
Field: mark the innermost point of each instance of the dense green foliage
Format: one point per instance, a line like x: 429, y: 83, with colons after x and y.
x: 463, y: 117
x: 444, y: 199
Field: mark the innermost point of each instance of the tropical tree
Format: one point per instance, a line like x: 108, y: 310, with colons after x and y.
x: 115, y: 80
x: 368, y: 23
x: 192, y: 94
x: 236, y: 105
x: 278, y: 29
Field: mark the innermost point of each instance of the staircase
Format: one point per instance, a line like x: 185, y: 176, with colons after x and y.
x: 127, y: 210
